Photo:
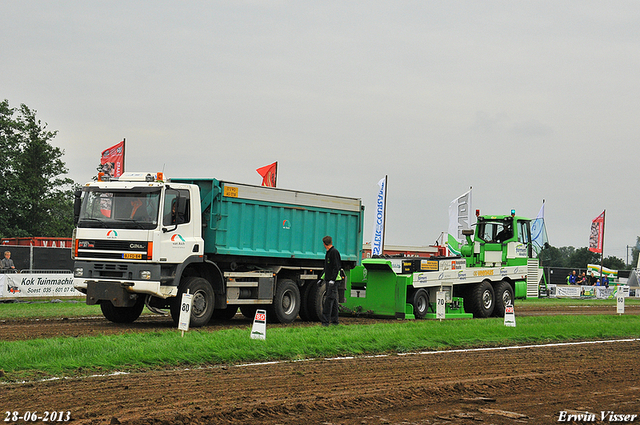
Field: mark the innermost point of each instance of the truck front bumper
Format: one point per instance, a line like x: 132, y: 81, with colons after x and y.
x: 121, y: 293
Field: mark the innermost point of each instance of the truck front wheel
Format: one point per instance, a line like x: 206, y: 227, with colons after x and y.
x: 122, y: 314
x: 420, y: 302
x: 203, y: 301
x: 286, y: 303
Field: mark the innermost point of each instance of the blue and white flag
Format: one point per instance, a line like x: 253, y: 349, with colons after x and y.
x: 460, y: 218
x: 539, y: 231
x: 377, y: 239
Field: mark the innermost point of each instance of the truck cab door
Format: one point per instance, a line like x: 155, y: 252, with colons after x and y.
x: 177, y: 236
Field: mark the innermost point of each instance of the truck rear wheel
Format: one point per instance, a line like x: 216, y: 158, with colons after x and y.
x: 304, y: 301
x: 504, y: 297
x: 203, y: 301
x: 481, y: 299
x: 286, y: 302
x: 122, y: 314
x: 420, y: 303
x: 317, y: 292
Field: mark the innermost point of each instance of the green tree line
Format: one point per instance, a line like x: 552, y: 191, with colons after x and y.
x: 578, y: 258
x: 36, y: 199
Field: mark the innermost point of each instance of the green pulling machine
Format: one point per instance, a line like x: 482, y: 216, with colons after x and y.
x: 494, y: 268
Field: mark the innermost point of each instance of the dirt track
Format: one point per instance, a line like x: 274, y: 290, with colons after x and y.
x: 525, y: 385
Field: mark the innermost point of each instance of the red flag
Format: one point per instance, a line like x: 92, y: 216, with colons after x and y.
x: 268, y: 173
x: 112, y: 160
x: 597, y: 234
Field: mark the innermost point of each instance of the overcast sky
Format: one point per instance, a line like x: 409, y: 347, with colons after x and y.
x: 523, y: 101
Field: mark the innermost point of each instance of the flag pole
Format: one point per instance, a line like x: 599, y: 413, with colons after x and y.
x: 124, y: 153
x: 602, y: 252
x: 384, y: 209
x: 275, y: 180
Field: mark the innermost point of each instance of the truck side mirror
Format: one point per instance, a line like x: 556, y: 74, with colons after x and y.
x: 77, y: 204
x: 468, y: 233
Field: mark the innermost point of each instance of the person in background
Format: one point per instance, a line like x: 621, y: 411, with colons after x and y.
x: 6, y: 263
x: 573, y: 278
x: 583, y: 279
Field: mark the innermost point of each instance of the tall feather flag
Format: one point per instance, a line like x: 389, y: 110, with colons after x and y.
x: 596, y: 239
x: 377, y: 240
x: 460, y: 218
x: 112, y: 160
x: 269, y: 174
x: 539, y: 231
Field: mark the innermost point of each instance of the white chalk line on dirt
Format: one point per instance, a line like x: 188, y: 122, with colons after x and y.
x: 417, y: 353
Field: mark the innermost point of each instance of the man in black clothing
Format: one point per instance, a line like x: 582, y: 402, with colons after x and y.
x: 332, y: 266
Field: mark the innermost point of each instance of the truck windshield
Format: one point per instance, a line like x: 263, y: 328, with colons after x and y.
x: 130, y: 209
x: 495, y: 231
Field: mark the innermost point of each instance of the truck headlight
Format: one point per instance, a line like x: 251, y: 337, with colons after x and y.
x: 78, y: 272
x: 145, y: 275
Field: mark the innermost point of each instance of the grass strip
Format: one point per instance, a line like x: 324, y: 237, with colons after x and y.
x: 85, y: 355
x: 56, y: 308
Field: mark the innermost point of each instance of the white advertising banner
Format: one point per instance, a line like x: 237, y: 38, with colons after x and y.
x: 378, y: 222
x: 460, y: 218
x: 32, y: 285
x: 569, y: 291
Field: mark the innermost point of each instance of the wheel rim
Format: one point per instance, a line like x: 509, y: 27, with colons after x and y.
x: 199, y: 306
x: 288, y: 302
x: 506, y: 298
x: 421, y: 304
x: 487, y: 299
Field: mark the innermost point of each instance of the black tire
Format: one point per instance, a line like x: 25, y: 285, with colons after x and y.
x: 203, y: 301
x: 317, y: 293
x: 122, y: 314
x: 249, y: 311
x: 286, y: 303
x: 225, y: 314
x: 420, y: 303
x: 304, y: 301
x: 481, y: 299
x: 504, y: 296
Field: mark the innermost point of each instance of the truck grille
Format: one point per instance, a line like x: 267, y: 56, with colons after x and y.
x: 118, y: 271
x: 116, y: 250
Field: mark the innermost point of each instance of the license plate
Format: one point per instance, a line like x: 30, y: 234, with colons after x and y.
x: 132, y: 256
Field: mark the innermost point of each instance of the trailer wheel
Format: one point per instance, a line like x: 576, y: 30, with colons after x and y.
x: 420, y: 302
x: 248, y: 311
x: 481, y: 299
x: 504, y: 297
x: 203, y: 301
x: 317, y: 293
x: 286, y: 302
x: 225, y: 314
x: 122, y: 314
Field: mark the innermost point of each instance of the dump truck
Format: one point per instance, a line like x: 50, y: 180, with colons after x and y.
x: 495, y: 267
x: 142, y: 240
